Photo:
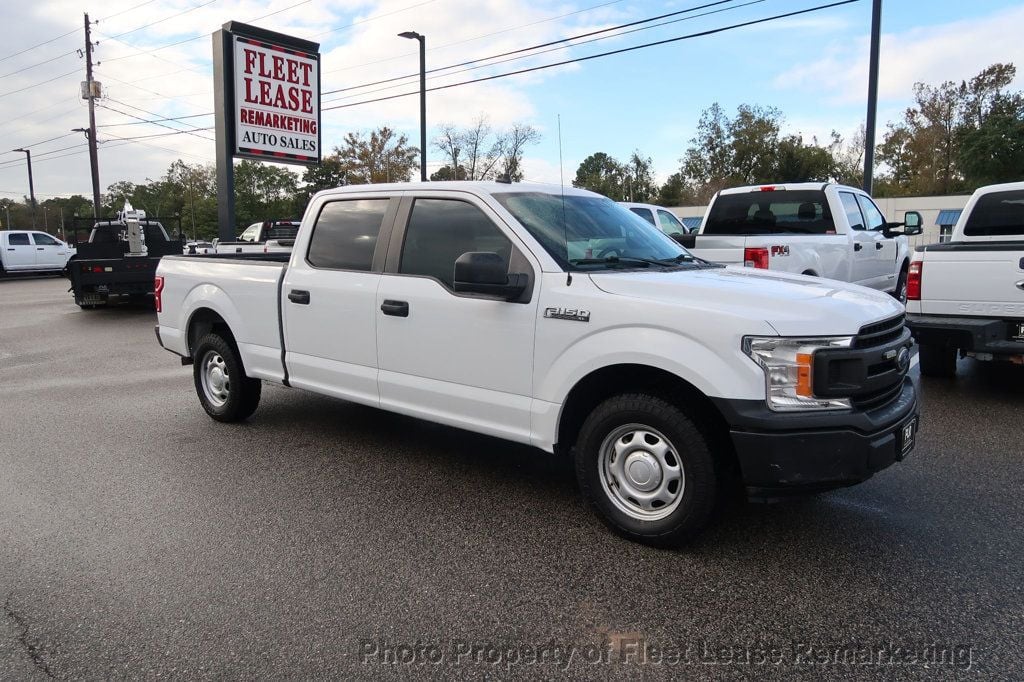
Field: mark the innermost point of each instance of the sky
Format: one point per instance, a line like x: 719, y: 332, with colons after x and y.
x: 154, y: 63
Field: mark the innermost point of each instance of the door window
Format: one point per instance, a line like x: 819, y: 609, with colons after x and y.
x: 874, y: 217
x: 251, y: 233
x: 345, y: 234
x: 644, y: 213
x: 441, y: 230
x: 18, y: 239
x: 44, y: 239
x: 852, y: 210
x: 670, y: 224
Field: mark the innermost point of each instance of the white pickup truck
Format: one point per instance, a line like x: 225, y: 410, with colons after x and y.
x: 967, y: 296
x: 270, y: 236
x: 485, y: 306
x: 32, y: 251
x: 824, y: 230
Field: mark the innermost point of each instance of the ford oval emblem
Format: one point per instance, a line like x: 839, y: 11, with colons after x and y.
x: 903, y: 359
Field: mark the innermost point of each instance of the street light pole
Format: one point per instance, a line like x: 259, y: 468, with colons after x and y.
x: 423, y: 98
x: 31, y: 188
x: 869, y: 128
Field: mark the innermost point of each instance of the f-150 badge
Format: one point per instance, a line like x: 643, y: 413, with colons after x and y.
x: 567, y: 314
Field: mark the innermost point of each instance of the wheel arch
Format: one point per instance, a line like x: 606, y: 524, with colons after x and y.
x: 203, y: 321
x: 605, y: 382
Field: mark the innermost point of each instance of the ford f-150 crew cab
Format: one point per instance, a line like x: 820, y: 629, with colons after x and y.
x: 825, y: 230
x: 966, y: 296
x: 556, y: 318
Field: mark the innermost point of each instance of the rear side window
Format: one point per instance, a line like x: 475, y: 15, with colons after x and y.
x: 644, y: 213
x: 441, y: 230
x: 345, y: 234
x: 777, y: 212
x: 997, y: 214
x: 18, y: 239
x: 853, y: 214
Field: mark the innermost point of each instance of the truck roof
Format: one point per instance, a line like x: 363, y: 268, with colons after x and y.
x: 479, y: 187
x: 782, y: 186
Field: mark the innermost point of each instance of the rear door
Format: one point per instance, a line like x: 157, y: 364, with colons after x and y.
x: 51, y: 254
x: 460, y: 359
x: 329, y: 294
x: 19, y: 252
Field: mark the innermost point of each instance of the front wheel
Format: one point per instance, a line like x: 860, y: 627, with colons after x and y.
x: 224, y: 391
x: 900, y: 293
x: 646, y: 469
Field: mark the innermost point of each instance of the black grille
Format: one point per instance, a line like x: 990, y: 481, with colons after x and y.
x: 880, y: 333
x: 878, y: 398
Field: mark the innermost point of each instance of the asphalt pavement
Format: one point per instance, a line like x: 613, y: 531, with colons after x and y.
x: 321, y: 539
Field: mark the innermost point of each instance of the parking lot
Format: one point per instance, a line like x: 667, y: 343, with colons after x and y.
x: 323, y: 539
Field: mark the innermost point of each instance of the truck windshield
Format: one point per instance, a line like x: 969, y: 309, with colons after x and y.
x: 591, y: 232
x: 774, y: 212
x: 997, y: 214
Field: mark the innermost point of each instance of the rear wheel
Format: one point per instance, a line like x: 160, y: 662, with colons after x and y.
x: 646, y: 469
x: 224, y: 391
x: 938, y: 361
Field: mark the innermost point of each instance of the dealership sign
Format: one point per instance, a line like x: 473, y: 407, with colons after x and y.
x: 270, y: 85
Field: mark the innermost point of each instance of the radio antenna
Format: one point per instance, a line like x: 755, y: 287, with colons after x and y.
x: 561, y: 182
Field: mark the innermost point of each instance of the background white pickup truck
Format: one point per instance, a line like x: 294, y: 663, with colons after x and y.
x: 556, y: 318
x: 30, y: 250
x: 270, y: 236
x: 967, y: 295
x: 825, y: 230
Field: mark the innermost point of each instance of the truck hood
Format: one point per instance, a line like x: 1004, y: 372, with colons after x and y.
x: 794, y: 305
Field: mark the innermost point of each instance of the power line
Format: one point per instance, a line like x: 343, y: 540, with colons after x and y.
x: 601, y: 54
x: 155, y: 120
x: 534, y: 47
x: 36, y: 85
x: 537, y: 54
x: 168, y: 18
x: 45, y: 42
x: 372, y: 18
x: 156, y: 123
x: 479, y: 37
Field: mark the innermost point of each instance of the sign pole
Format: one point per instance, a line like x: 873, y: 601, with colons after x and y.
x: 224, y: 108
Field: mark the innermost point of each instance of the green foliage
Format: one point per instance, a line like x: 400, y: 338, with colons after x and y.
x: 383, y: 156
x: 600, y: 173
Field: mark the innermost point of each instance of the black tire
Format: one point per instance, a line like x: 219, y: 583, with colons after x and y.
x: 237, y: 396
x: 938, y: 361
x: 699, y: 481
x: 900, y: 294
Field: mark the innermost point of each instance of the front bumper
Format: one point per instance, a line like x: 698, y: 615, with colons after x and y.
x: 782, y: 453
x: 969, y: 334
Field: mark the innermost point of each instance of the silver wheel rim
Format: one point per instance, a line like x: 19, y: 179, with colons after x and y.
x: 216, y: 382
x: 641, y: 472
x: 903, y: 291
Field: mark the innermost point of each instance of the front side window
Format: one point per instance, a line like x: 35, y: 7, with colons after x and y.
x: 587, y: 232
x: 670, y: 224
x: 345, y: 234
x: 18, y: 239
x: 875, y: 219
x: 997, y: 214
x: 852, y: 210
x: 44, y: 239
x: 251, y: 233
x: 441, y: 230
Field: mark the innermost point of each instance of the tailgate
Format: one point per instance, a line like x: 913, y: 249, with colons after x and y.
x: 720, y: 249
x: 973, y: 279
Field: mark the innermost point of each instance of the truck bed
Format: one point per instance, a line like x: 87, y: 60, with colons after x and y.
x: 977, y: 278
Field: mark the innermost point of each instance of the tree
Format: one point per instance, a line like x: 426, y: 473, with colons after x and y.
x: 707, y: 163
x: 263, y: 192
x: 445, y: 173
x: 510, y: 148
x: 600, y: 173
x: 639, y: 178
x: 676, y: 192
x: 384, y: 156
x: 795, y: 161
x: 329, y: 173
x: 994, y: 151
x: 481, y: 153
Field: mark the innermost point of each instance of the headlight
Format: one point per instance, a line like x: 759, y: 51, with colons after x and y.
x: 788, y: 365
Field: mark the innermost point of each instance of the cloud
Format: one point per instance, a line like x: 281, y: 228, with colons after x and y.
x: 930, y: 54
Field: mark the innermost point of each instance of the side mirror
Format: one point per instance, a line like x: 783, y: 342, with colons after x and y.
x: 911, y: 225
x: 485, y: 272
x: 687, y: 241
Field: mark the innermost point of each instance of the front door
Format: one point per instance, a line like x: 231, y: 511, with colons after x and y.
x: 459, y: 359
x: 20, y: 252
x: 865, y: 269
x: 885, y: 247
x: 329, y: 296
x: 51, y: 254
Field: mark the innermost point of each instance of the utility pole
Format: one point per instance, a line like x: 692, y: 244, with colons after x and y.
x: 869, y: 127
x: 92, y: 90
x: 31, y: 187
x: 413, y: 35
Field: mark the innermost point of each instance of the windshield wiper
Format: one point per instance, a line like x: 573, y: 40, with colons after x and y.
x: 615, y: 260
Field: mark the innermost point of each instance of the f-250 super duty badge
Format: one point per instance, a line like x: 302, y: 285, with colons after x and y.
x: 568, y: 314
